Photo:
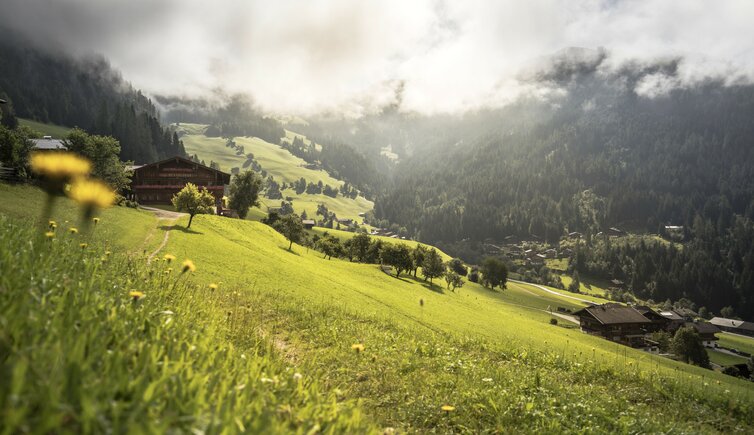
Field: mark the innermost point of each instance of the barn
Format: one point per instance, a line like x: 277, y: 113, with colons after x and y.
x: 157, y: 182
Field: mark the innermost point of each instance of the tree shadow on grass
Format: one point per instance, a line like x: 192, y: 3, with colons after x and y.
x: 180, y: 228
x: 289, y: 251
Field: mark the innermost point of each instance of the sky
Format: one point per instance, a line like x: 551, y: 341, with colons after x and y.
x: 307, y: 57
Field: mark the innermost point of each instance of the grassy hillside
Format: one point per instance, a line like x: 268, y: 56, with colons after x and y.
x: 345, y: 235
x: 279, y: 163
x: 56, y: 131
x: 734, y: 341
x: 230, y: 355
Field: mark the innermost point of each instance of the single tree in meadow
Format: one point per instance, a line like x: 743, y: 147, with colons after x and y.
x: 397, y: 256
x: 418, y: 255
x: 575, y: 285
x: 361, y: 243
x: 453, y: 279
x: 193, y: 201
x: 687, y: 345
x: 330, y: 246
x: 432, y: 267
x: 457, y: 266
x: 291, y: 227
x: 244, y: 192
x: 494, y: 273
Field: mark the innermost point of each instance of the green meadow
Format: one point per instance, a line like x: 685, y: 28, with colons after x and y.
x: 278, y: 162
x: 735, y: 341
x: 272, y: 348
x: 56, y: 131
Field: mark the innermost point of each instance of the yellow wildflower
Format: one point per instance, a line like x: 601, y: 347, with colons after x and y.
x: 59, y: 166
x: 52, y: 224
x: 168, y: 257
x: 108, y: 253
x: 136, y: 295
x: 188, y: 266
x: 83, y: 245
x: 73, y: 230
x: 213, y: 286
x: 358, y: 347
x: 95, y: 220
x: 92, y: 193
x: 448, y: 408
x: 49, y: 234
x: 168, y: 271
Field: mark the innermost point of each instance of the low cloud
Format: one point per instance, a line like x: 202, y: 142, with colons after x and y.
x: 429, y: 56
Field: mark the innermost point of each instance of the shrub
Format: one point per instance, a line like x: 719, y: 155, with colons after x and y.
x: 553, y: 321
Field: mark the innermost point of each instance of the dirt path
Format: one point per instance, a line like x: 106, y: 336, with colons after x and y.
x: 163, y: 214
x: 162, y: 245
x: 171, y: 217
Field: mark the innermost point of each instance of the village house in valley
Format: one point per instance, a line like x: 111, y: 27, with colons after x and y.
x: 732, y: 325
x: 616, y: 322
x: 156, y: 183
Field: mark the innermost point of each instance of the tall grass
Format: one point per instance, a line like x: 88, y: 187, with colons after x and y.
x: 80, y: 353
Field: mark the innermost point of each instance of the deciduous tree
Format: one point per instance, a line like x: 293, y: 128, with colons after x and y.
x: 193, y: 201
x: 244, y: 192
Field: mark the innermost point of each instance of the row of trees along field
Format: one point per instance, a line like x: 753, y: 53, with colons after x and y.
x: 398, y: 256
x: 604, y: 156
x: 86, y: 93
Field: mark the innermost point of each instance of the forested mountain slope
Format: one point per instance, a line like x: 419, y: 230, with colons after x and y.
x: 86, y: 93
x: 602, y: 156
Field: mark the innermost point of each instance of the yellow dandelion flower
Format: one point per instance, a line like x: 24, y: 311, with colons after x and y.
x: 83, y: 245
x: 188, y: 266
x: 135, y: 295
x: 73, y: 230
x: 448, y: 408
x: 213, y: 286
x: 108, y: 253
x: 92, y: 193
x: 60, y: 166
x: 168, y: 257
x: 49, y: 234
x: 168, y: 271
x: 52, y: 224
x: 95, y: 220
x: 358, y: 347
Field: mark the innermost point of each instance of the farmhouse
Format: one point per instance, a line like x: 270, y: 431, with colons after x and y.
x: 659, y: 322
x: 732, y: 325
x: 308, y: 223
x: 48, y: 143
x: 615, y: 322
x: 676, y: 320
x: 156, y: 183
x: 706, y: 332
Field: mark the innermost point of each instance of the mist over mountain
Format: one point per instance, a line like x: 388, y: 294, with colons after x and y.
x: 54, y: 87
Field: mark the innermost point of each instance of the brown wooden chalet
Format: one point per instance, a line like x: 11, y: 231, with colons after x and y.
x: 156, y: 183
x: 659, y: 322
x: 615, y: 322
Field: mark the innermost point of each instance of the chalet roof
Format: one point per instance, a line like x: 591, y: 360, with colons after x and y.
x: 612, y: 313
x: 185, y: 160
x: 308, y: 221
x: 48, y: 143
x: 672, y: 315
x: 648, y: 312
x: 704, y: 327
x: 732, y: 323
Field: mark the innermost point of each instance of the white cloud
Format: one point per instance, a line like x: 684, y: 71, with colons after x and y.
x: 302, y: 57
